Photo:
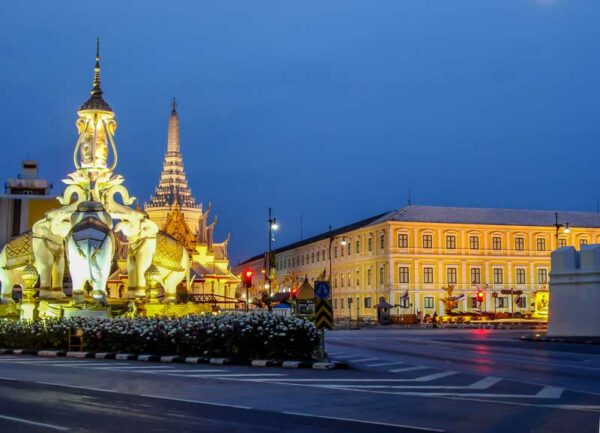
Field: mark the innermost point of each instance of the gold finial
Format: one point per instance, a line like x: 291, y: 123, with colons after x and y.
x: 174, y: 104
x: 96, y: 90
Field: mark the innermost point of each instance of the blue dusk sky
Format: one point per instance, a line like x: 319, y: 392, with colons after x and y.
x: 326, y: 109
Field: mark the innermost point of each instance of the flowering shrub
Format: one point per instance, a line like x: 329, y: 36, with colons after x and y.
x: 243, y: 338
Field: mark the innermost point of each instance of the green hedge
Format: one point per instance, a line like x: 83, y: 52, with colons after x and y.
x: 241, y: 337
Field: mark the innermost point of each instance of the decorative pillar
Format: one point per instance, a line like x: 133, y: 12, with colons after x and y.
x: 30, y: 276
x: 152, y: 276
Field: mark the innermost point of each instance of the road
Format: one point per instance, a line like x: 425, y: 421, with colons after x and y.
x: 400, y: 381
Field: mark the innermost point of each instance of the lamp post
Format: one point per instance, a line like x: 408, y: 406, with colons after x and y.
x: 343, y: 243
x: 565, y: 226
x: 273, y: 226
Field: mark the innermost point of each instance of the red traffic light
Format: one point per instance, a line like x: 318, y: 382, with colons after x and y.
x: 480, y: 296
x: 247, y: 277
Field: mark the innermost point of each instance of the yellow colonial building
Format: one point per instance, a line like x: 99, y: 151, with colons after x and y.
x: 418, y: 256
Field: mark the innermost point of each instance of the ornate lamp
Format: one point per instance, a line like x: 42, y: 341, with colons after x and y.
x: 152, y: 276
x: 30, y: 276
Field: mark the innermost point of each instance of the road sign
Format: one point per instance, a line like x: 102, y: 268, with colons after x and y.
x: 511, y: 292
x: 322, y: 289
x: 323, y: 314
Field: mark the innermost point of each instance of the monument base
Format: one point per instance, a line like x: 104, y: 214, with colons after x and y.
x: 174, y: 310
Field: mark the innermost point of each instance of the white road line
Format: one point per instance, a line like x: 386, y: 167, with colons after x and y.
x: 427, y: 378
x: 383, y: 364
x: 185, y: 400
x: 364, y: 359
x: 154, y: 367
x: 480, y: 395
x: 484, y: 383
x: 85, y: 364
x: 360, y: 421
x: 181, y: 372
x: 550, y: 392
x: 402, y: 370
x: 39, y: 424
x: 435, y: 376
x: 231, y: 375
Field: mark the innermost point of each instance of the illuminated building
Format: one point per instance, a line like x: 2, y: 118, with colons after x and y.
x: 411, y: 256
x: 175, y: 211
x: 24, y: 202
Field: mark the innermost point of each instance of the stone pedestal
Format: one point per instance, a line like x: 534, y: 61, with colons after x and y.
x: 575, y: 292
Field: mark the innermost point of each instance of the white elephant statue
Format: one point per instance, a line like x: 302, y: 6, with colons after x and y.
x: 147, y: 246
x: 44, y: 247
x: 90, y: 249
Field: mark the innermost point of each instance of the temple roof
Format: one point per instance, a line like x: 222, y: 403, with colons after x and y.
x: 173, y: 189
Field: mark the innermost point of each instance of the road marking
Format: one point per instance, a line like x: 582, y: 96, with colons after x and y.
x: 84, y: 364
x: 135, y: 367
x: 39, y: 424
x: 550, y: 392
x: 543, y: 394
x: 231, y: 375
x: 427, y: 378
x: 484, y: 383
x: 181, y: 372
x: 383, y: 364
x: 402, y: 370
x: 377, y: 423
x: 185, y: 400
x: 364, y: 359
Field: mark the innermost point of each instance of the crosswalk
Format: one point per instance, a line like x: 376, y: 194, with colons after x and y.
x: 393, y: 378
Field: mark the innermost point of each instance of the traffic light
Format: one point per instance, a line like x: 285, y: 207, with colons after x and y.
x: 247, y: 277
x: 480, y: 296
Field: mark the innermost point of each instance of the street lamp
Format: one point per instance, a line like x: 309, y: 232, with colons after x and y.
x: 273, y: 226
x: 566, y: 229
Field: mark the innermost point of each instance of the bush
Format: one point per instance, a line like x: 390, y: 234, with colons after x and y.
x: 243, y: 338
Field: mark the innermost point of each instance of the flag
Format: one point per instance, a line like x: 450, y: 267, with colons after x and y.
x: 404, y: 297
x: 460, y: 297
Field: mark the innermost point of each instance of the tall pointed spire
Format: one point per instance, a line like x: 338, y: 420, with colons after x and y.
x: 173, y: 134
x: 173, y: 189
x: 96, y: 101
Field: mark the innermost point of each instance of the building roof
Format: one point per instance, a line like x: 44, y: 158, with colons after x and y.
x: 173, y: 189
x: 322, y: 236
x: 458, y: 215
x: 514, y: 217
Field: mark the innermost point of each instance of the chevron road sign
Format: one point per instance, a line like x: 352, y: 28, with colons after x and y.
x: 324, y: 314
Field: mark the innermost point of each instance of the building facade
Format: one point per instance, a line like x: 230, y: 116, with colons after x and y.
x: 417, y: 257
x: 25, y: 200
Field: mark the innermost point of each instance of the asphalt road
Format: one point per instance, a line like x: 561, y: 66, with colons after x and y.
x: 401, y: 381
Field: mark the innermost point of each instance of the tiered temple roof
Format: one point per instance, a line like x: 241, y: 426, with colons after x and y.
x: 173, y: 189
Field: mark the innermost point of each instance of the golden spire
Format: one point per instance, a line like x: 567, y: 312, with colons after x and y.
x: 96, y: 102
x: 96, y: 90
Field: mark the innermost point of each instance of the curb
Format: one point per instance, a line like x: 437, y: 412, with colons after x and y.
x: 220, y: 361
x: 24, y: 352
x: 296, y: 364
x: 196, y: 360
x: 148, y: 358
x: 265, y: 363
x: 105, y: 355
x: 330, y: 365
x: 80, y: 354
x: 172, y: 359
x: 52, y: 353
x: 126, y: 357
x: 258, y: 363
x: 571, y: 340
